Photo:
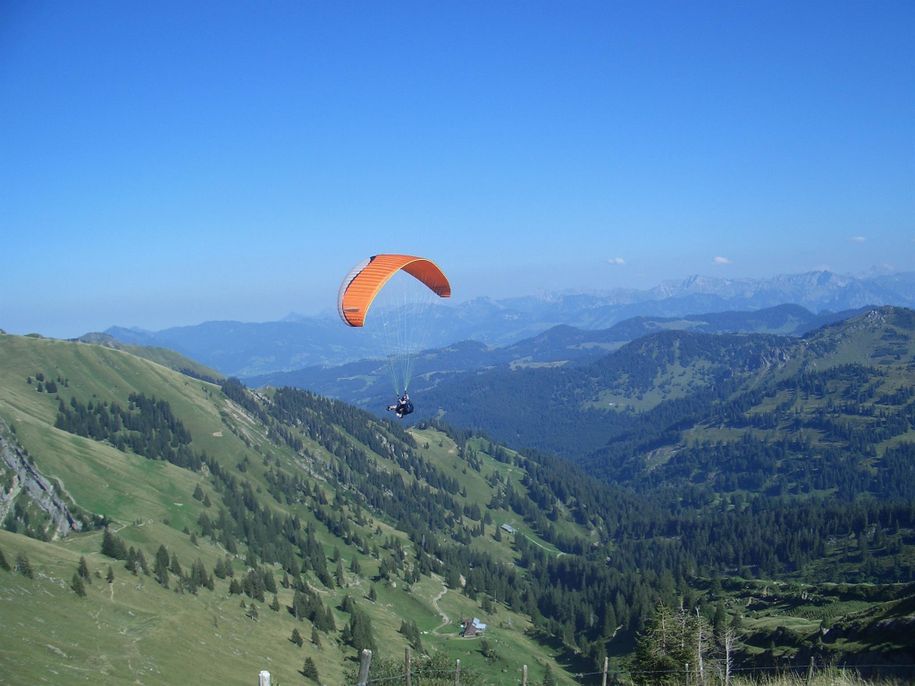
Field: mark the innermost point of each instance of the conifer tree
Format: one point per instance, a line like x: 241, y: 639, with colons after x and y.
x: 347, y: 604
x: 161, y: 567
x: 3, y: 562
x: 338, y: 574
x: 77, y: 585
x: 269, y: 581
x: 310, y: 670
x: 113, y: 546
x: 23, y: 566
x: 130, y: 564
x: 296, y: 638
x: 83, y: 570
x: 141, y: 560
x: 327, y: 621
x: 110, y: 576
x: 360, y: 631
x: 315, y: 637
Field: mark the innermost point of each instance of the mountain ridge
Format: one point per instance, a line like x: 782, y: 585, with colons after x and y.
x: 248, y: 349
x: 364, y: 382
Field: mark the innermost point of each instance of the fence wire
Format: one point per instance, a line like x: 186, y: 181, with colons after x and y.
x: 714, y: 673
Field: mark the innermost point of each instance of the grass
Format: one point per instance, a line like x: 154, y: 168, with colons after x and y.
x: 134, y: 631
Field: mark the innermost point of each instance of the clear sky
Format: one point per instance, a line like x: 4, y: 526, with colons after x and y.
x: 168, y: 163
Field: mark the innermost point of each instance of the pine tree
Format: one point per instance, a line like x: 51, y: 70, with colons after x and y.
x: 315, y: 637
x: 373, y: 596
x: 3, y: 563
x: 360, y: 631
x: 112, y: 546
x: 161, y: 567
x: 131, y: 563
x: 296, y: 638
x: 549, y: 678
x: 347, y: 604
x: 110, y: 575
x: 83, y: 570
x: 77, y: 585
x: 310, y: 670
x: 269, y: 581
x: 338, y: 574
x: 23, y: 566
x: 141, y: 560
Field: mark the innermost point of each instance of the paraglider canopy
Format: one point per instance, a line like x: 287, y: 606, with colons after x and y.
x: 406, y: 286
x: 365, y: 281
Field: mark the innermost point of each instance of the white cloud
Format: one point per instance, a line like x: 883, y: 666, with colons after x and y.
x: 857, y: 239
x: 721, y: 260
x: 616, y: 260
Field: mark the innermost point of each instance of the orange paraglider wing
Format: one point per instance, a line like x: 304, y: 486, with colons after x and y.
x: 364, y: 282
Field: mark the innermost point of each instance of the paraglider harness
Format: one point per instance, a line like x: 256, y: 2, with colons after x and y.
x: 402, y: 407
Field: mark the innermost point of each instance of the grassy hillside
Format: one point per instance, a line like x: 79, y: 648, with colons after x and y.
x: 128, y: 630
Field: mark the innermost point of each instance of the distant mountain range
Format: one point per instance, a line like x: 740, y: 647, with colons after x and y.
x: 250, y: 349
x: 367, y: 382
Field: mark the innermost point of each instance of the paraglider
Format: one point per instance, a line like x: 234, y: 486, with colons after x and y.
x: 402, y: 325
x: 402, y: 407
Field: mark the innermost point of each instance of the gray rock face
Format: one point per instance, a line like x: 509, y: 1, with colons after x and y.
x: 30, y: 482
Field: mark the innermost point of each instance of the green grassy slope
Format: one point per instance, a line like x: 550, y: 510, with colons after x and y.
x: 136, y: 631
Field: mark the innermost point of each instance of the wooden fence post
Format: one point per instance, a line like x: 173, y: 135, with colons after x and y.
x: 523, y: 675
x: 365, y: 660
x: 457, y: 673
x: 603, y: 678
x: 407, y: 659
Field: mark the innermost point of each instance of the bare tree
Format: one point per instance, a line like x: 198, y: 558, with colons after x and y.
x: 727, y: 643
x: 701, y: 634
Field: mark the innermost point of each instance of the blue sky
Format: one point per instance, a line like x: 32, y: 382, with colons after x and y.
x: 168, y: 163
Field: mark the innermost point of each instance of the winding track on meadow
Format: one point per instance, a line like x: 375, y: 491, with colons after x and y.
x: 446, y: 620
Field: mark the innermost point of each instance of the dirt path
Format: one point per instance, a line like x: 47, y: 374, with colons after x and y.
x: 557, y: 553
x: 446, y: 620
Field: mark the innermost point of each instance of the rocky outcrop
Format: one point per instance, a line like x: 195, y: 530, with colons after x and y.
x: 29, y: 482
